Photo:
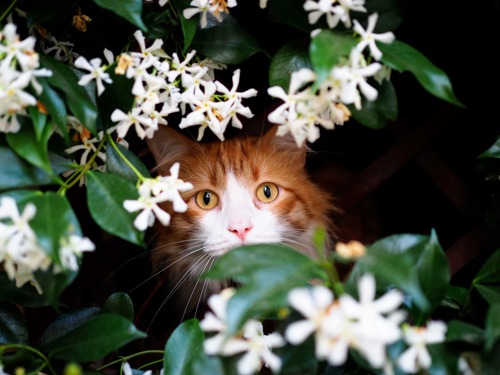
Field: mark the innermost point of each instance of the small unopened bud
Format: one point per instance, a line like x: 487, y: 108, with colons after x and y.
x: 350, y: 250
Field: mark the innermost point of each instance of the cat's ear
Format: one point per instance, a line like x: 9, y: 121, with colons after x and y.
x: 286, y: 143
x: 168, y: 146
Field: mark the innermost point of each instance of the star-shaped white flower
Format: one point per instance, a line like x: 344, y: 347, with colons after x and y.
x: 369, y: 38
x: 96, y: 72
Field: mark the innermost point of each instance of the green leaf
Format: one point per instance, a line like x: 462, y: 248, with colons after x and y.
x: 16, y: 173
x: 455, y: 297
x: 27, y: 145
x: 391, y: 14
x: 53, y: 284
x: 13, y: 328
x: 115, y: 163
x: 77, y: 99
x: 55, y: 105
x: 291, y: 57
x: 492, y: 326
x: 182, y: 348
x: 130, y: 10
x: 106, y: 194
x: 433, y: 271
x: 94, y: 339
x: 327, y: 49
x: 404, y: 58
x: 226, y: 42
x: 63, y: 324
x: 493, y: 151
x: 464, y: 332
x: 27, y: 295
x: 121, y: 304
x: 444, y: 359
x: 39, y: 121
x: 488, y: 274
x: 267, y: 272
x: 491, y: 293
x: 376, y: 114
x: 291, y: 12
x: 189, y: 26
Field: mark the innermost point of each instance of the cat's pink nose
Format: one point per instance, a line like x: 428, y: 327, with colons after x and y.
x: 240, y: 230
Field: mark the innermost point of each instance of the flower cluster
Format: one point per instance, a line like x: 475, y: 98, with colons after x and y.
x: 152, y: 192
x: 18, y: 71
x: 251, y: 341
x: 20, y: 250
x: 368, y: 326
x: 305, y: 106
x: 166, y: 84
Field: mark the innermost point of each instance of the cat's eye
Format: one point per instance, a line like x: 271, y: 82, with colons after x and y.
x: 206, y: 199
x: 267, y: 192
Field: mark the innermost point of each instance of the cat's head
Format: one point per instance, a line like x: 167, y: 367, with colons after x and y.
x: 247, y: 190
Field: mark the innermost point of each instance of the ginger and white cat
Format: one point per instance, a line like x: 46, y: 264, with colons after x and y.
x: 247, y: 190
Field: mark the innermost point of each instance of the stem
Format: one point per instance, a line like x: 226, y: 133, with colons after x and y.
x: 33, y: 350
x: 127, y: 358
x: 7, y: 11
x: 125, y: 160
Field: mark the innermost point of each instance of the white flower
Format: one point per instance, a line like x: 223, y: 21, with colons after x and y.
x: 143, y: 125
x: 127, y: 370
x: 199, y: 6
x: 88, y: 146
x: 96, y: 72
x: 71, y: 250
x: 22, y: 50
x: 416, y: 357
x: 369, y: 38
x: 334, y: 10
x: 149, y: 210
x: 149, y: 52
x: 376, y: 321
x: 62, y: 49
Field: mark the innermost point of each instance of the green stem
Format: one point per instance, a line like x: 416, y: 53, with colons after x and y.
x: 127, y: 358
x: 33, y: 350
x: 7, y: 11
x: 125, y: 159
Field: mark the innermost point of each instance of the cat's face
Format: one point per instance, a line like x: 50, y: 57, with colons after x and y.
x: 246, y: 191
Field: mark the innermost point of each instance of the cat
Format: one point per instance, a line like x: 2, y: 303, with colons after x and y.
x: 247, y: 190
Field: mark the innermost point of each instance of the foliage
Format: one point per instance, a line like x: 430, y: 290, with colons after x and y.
x: 56, y: 104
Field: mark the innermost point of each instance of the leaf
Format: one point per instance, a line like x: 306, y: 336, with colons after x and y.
x: 433, y: 271
x: 291, y: 12
x: 121, y: 304
x: 492, y: 326
x: 16, y: 173
x: 455, y: 297
x: 76, y: 96
x: 94, y: 339
x: 267, y: 272
x: 404, y: 58
x: 64, y: 324
x: 292, y: 57
x: 444, y: 359
x: 130, y: 10
x: 376, y: 114
x: 27, y: 295
x: 326, y: 50
x: 493, y: 151
x: 55, y: 105
x: 464, y: 332
x: 111, y: 216
x: 53, y: 284
x: 182, y: 348
x: 491, y: 293
x: 13, y: 328
x: 115, y: 163
x: 27, y: 145
x: 488, y: 274
x: 189, y: 26
x: 226, y: 42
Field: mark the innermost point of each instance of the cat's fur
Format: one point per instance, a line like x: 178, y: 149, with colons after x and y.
x: 233, y: 169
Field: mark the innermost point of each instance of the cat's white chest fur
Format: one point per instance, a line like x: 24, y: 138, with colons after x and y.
x: 240, y: 219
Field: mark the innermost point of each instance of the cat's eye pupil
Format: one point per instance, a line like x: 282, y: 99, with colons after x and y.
x: 206, y: 198
x: 267, y: 191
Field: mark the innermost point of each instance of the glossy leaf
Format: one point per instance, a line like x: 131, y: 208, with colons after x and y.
x: 54, y: 284
x: 17, y: 173
x: 464, y: 332
x: 267, y: 272
x: 75, y: 95
x: 64, y: 324
x: 444, y: 359
x: 39, y: 121
x: 404, y: 58
x: 27, y: 145
x: 55, y: 105
x: 106, y: 194
x: 291, y: 57
x: 115, y: 163
x: 488, y: 274
x: 326, y: 50
x: 121, y: 304
x: 130, y: 10
x: 189, y: 26
x: 493, y: 151
x: 13, y: 328
x: 376, y: 114
x: 26, y: 296
x: 492, y: 326
x: 183, y: 348
x: 226, y: 42
x: 95, y: 338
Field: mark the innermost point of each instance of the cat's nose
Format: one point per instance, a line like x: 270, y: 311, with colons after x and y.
x: 241, y: 230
